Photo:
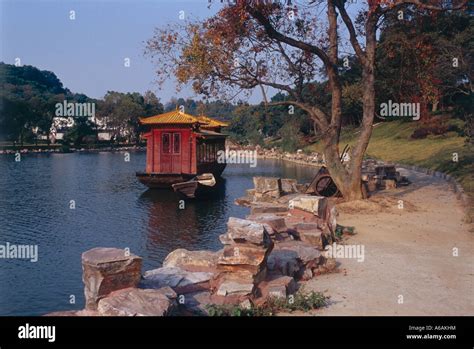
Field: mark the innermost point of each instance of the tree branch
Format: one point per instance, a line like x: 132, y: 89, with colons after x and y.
x: 316, y: 114
x: 352, y: 33
x: 274, y: 34
x: 423, y: 5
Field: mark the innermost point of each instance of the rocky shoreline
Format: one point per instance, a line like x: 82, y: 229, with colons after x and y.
x: 313, y: 159
x: 268, y: 255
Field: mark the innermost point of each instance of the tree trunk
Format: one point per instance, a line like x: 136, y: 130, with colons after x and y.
x: 348, y: 183
x: 349, y: 179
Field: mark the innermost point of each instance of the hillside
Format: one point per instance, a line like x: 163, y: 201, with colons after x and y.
x: 391, y: 142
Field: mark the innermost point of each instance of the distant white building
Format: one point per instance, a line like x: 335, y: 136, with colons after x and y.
x: 104, y: 132
x: 61, y: 125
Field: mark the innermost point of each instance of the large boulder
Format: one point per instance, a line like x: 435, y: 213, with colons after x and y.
x: 314, y: 204
x: 180, y: 280
x: 284, y: 262
x: 192, y: 260
x: 267, y: 188
x: 298, y: 259
x: 235, y: 288
x: 313, y: 237
x: 267, y: 207
x: 278, y: 287
x: 243, y: 254
x: 238, y: 282
x: 311, y: 234
x: 106, y: 270
x: 298, y: 216
x: 276, y: 223
x: 304, y: 252
x: 245, y: 231
x: 289, y: 186
x: 138, y: 302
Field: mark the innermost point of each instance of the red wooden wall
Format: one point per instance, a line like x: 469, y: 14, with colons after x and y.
x: 182, y: 160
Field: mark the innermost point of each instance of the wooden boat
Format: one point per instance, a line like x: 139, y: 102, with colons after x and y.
x: 198, y: 186
x: 180, y: 147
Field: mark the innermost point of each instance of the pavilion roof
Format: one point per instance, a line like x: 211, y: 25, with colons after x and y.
x: 171, y: 117
x: 210, y: 122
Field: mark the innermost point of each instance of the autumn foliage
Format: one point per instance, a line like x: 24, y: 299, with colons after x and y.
x: 260, y: 44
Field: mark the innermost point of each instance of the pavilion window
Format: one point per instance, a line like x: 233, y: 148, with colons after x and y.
x: 165, y: 143
x: 176, y: 143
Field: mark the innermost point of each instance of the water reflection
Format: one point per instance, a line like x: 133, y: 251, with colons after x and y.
x: 112, y: 210
x: 174, y: 222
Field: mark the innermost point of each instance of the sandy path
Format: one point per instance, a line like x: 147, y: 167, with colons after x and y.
x: 406, y: 253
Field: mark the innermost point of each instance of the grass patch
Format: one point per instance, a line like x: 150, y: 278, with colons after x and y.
x: 298, y: 302
x: 391, y: 142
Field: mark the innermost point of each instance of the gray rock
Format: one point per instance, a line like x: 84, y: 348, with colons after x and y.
x: 192, y: 260
x: 136, y: 302
x: 278, y: 287
x: 292, y: 258
x: 106, y: 270
x: 180, y: 280
x: 311, y: 234
x: 245, y: 231
x: 314, y: 204
x: 304, y: 252
x: 284, y: 262
x: 244, y: 254
x: 267, y: 187
x: 232, y: 288
x: 265, y: 207
x: 277, y: 223
x: 289, y: 186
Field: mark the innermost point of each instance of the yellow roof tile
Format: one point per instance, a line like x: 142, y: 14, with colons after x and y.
x: 172, y: 117
x: 210, y: 122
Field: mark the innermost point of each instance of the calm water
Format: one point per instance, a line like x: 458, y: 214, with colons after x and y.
x: 112, y: 210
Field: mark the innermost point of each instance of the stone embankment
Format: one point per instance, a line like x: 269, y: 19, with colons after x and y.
x: 268, y: 254
x: 312, y: 159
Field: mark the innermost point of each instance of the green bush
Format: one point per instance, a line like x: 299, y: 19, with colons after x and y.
x: 298, y: 302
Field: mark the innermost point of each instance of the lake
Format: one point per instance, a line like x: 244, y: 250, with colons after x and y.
x: 68, y: 203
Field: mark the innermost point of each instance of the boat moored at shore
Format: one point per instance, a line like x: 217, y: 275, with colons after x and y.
x: 180, y: 147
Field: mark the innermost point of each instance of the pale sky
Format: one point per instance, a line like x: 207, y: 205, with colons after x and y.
x: 87, y: 54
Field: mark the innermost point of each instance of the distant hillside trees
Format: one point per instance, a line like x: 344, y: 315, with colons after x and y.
x: 428, y: 58
x: 27, y: 99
